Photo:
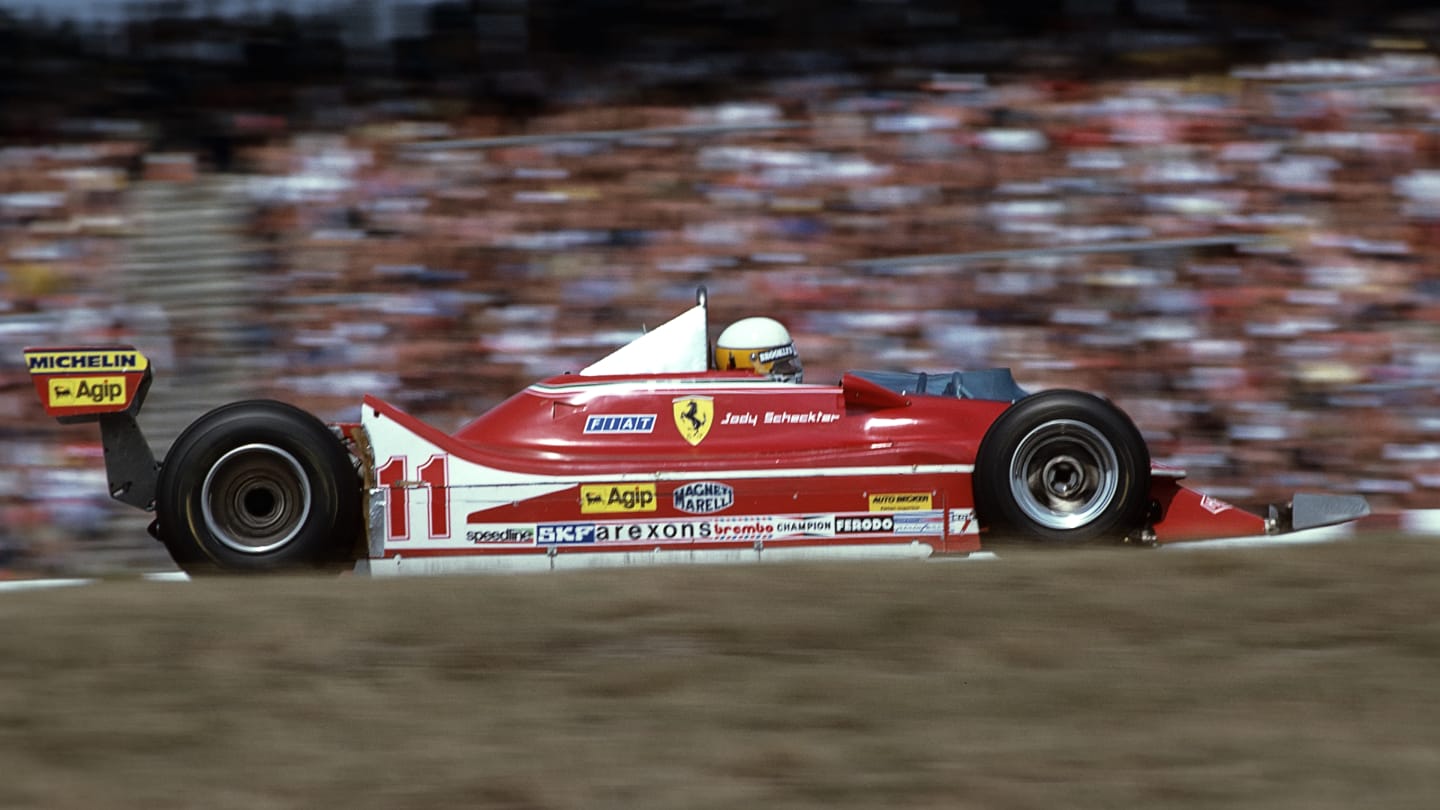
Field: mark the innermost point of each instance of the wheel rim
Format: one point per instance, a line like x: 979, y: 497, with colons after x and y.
x: 1064, y: 474
x: 255, y: 498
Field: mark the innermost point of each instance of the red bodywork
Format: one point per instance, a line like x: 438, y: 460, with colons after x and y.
x: 848, y: 466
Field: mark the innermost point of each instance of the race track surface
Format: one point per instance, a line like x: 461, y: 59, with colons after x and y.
x: 1293, y: 677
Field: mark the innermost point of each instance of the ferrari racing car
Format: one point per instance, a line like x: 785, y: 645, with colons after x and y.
x: 663, y: 451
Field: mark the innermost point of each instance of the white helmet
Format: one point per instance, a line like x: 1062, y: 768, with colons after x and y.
x: 761, y: 345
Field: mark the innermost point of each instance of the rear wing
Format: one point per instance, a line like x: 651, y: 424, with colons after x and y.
x: 105, y: 384
x: 79, y: 384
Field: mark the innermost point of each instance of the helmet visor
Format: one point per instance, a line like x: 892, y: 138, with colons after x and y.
x: 788, y: 369
x: 781, y: 363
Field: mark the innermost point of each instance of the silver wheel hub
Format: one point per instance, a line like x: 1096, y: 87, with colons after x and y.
x: 1064, y: 474
x: 255, y: 498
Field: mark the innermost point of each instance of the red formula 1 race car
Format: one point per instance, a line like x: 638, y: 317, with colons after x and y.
x: 649, y: 456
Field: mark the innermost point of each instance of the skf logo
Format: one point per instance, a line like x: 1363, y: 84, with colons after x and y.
x: 565, y: 534
x: 71, y: 392
x: 693, y: 416
x: 600, y: 498
x: 900, y: 502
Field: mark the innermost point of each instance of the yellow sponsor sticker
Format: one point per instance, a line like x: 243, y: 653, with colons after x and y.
x: 900, y: 502
x: 112, y: 361
x: 85, y: 392
x: 603, y: 498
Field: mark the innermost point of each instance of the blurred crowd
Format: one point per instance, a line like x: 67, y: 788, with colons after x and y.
x: 1243, y: 257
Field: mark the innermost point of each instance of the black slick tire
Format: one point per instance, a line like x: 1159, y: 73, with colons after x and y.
x: 258, y: 487
x: 1062, y: 468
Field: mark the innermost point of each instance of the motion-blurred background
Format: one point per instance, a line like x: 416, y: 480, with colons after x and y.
x: 1223, y: 216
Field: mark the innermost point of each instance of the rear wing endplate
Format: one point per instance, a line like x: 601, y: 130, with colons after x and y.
x: 105, y: 384
x: 78, y: 384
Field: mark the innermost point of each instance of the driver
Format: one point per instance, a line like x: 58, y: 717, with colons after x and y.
x: 761, y: 345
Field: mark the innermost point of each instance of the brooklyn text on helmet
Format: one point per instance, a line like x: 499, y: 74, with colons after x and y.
x: 777, y: 353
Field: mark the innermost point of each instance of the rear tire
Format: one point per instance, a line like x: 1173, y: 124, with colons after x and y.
x: 1062, y: 468
x: 258, y: 487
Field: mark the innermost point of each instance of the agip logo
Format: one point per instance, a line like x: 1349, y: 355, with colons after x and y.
x: 693, y: 416
x: 610, y: 498
x: 70, y: 392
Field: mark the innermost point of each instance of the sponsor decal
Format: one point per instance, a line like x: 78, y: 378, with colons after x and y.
x: 1214, y: 505
x: 620, y: 423
x: 703, y: 497
x: 900, y: 502
x: 806, y: 526
x: 744, y: 528
x: 565, y: 534
x: 693, y: 416
x: 803, y: 418
x: 924, y: 522
x: 603, y: 498
x: 501, y: 534
x: 868, y: 524
x: 733, y: 529
x: 962, y: 521
x: 777, y: 353
x: 86, y: 360
x: 658, y: 532
x: 69, y: 392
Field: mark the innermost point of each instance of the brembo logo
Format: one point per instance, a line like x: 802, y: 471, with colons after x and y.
x: 757, y: 528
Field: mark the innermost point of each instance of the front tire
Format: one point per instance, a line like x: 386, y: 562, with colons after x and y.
x: 255, y: 487
x: 1062, y: 468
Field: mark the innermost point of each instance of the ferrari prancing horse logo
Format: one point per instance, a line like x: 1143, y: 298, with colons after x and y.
x: 692, y: 417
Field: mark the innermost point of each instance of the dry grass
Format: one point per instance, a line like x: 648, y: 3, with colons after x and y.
x: 1294, y: 678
